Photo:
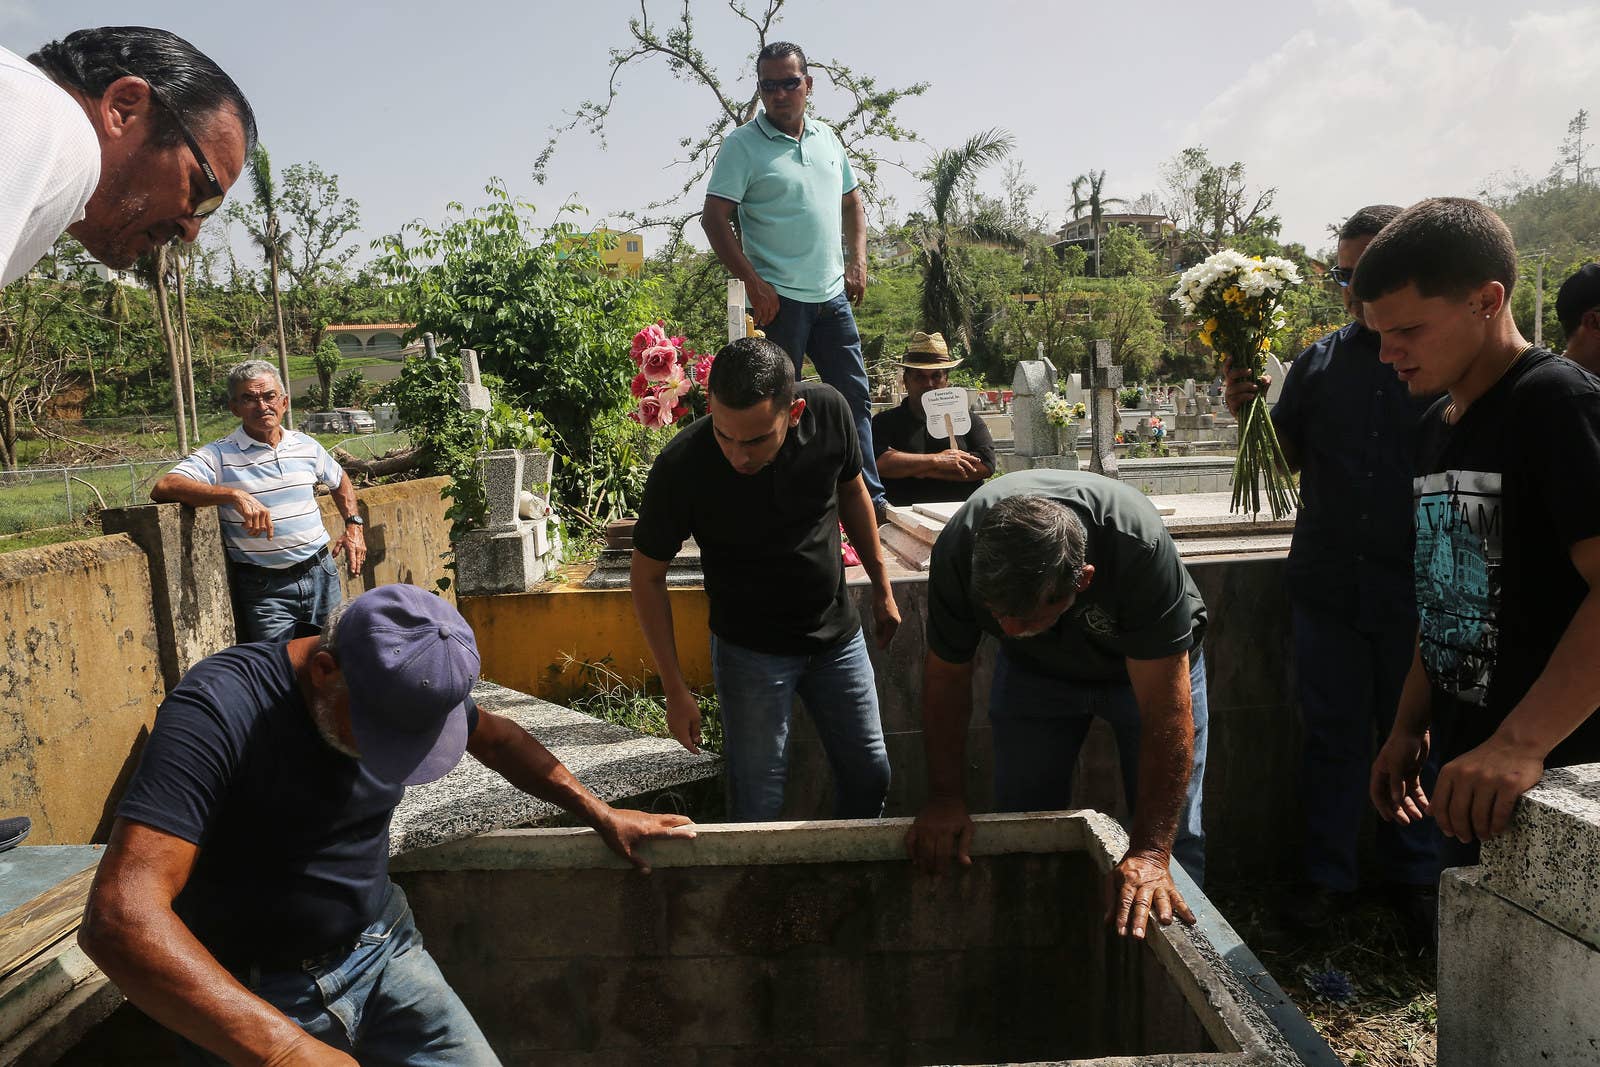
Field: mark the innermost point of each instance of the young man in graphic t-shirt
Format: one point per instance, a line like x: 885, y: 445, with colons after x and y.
x: 1507, y: 552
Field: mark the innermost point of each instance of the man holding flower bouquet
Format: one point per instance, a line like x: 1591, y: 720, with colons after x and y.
x: 1079, y: 580
x: 1348, y: 425
x: 763, y: 485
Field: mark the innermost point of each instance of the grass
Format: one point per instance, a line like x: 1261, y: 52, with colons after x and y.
x: 606, y: 695
x: 306, y: 366
x: 50, y: 535
x: 1390, y: 1015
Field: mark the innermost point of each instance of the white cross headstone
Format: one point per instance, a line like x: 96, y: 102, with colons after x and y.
x: 474, y: 394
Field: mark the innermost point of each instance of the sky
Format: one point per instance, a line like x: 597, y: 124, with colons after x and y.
x: 1337, y: 103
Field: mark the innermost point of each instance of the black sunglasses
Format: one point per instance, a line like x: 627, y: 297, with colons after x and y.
x: 1341, y: 275
x: 209, y: 204
x: 788, y: 85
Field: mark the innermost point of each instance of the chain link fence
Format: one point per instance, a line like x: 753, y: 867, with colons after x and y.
x: 33, y: 498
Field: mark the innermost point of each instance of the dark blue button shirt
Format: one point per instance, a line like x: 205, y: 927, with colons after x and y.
x: 1354, y: 427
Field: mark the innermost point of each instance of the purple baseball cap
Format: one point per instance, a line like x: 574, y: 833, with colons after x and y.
x: 409, y: 660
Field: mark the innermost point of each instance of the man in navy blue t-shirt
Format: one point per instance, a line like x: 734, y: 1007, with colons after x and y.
x: 244, y: 900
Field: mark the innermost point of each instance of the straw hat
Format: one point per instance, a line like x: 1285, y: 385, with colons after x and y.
x: 928, y: 351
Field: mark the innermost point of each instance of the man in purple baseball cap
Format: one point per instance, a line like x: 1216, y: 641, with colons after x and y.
x: 244, y: 899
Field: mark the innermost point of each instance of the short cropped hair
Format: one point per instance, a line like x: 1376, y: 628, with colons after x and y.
x: 1445, y: 246
x: 750, y: 370
x: 1027, y: 550
x: 184, y: 78
x: 1367, y: 221
x: 248, y: 371
x: 782, y: 50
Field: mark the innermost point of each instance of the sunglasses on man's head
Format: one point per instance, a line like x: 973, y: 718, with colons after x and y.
x: 788, y: 85
x: 1341, y: 276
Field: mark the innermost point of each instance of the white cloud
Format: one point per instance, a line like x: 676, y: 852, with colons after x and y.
x: 1381, y: 103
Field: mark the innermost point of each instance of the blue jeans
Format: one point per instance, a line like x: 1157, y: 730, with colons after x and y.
x: 1348, y: 681
x: 384, y: 1003
x: 1039, y: 723
x: 267, y: 603
x: 827, y: 333
x: 756, y: 692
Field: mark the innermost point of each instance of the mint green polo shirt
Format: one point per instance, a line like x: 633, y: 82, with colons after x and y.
x: 789, y: 194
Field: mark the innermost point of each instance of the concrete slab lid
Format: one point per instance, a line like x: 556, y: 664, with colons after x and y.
x: 1549, y: 860
x: 1234, y: 1022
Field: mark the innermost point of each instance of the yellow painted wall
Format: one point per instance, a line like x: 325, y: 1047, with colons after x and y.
x: 80, y: 681
x: 407, y: 535
x: 522, y: 637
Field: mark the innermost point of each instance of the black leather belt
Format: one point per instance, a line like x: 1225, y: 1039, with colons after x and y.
x: 294, y: 568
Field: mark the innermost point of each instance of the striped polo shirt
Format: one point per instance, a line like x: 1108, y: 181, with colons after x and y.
x: 284, y: 479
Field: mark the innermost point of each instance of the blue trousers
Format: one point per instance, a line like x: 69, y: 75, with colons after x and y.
x: 384, y: 1003
x: 1348, y: 681
x: 756, y: 692
x: 1039, y: 724
x: 827, y: 333
x: 267, y: 603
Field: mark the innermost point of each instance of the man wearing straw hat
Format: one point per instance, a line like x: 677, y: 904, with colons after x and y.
x: 918, y: 467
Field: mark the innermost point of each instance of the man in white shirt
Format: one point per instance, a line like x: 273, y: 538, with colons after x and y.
x: 263, y: 477
x: 124, y: 136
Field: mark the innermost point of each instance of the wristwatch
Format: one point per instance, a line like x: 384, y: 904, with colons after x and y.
x: 354, y: 520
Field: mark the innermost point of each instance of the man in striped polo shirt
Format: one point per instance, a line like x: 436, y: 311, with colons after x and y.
x: 263, y: 477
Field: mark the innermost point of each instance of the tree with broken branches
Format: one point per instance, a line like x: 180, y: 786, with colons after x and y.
x: 36, y: 350
x: 865, y: 127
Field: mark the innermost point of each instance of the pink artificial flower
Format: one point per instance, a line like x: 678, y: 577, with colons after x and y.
x: 658, y: 362
x: 674, y: 388
x: 1155, y: 421
x: 702, y: 370
x: 847, y: 551
x: 652, y: 413
x: 680, y: 411
x: 639, y: 386
x: 647, y: 338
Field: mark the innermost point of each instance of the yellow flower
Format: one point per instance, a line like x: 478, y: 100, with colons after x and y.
x: 1205, y: 338
x: 1210, y: 326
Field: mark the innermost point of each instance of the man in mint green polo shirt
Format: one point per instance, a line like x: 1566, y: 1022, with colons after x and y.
x: 799, y: 209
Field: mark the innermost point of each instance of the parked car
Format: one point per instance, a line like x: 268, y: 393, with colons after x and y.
x: 340, y: 420
x: 357, y: 420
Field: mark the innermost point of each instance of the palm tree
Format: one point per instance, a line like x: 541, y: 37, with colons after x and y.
x: 269, y: 236
x: 1092, y: 183
x: 152, y: 270
x: 948, y: 291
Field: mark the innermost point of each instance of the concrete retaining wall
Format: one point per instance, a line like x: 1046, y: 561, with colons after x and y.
x: 80, y: 681
x: 407, y: 535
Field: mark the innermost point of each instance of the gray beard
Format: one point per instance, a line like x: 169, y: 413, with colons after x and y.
x: 322, y: 714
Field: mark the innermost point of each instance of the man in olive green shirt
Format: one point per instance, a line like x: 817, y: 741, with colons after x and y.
x: 1076, y: 576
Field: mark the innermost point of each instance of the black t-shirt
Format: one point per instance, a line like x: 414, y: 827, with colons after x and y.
x: 905, y: 430
x: 1141, y: 604
x: 293, y: 834
x: 1501, y: 498
x: 769, y: 541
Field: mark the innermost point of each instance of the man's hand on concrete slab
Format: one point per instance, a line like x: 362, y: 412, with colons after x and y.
x: 257, y: 519
x: 1477, y: 792
x: 942, y: 831
x: 625, y: 829
x: 763, y: 301
x: 1139, y: 888
x: 1396, y: 784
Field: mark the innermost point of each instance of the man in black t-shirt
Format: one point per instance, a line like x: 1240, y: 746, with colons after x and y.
x: 1507, y: 559
x: 762, y: 485
x: 244, y: 899
x: 1077, y: 577
x: 1578, y: 308
x: 918, y: 468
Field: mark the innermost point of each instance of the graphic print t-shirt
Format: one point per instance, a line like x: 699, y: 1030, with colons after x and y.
x: 1501, y: 497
